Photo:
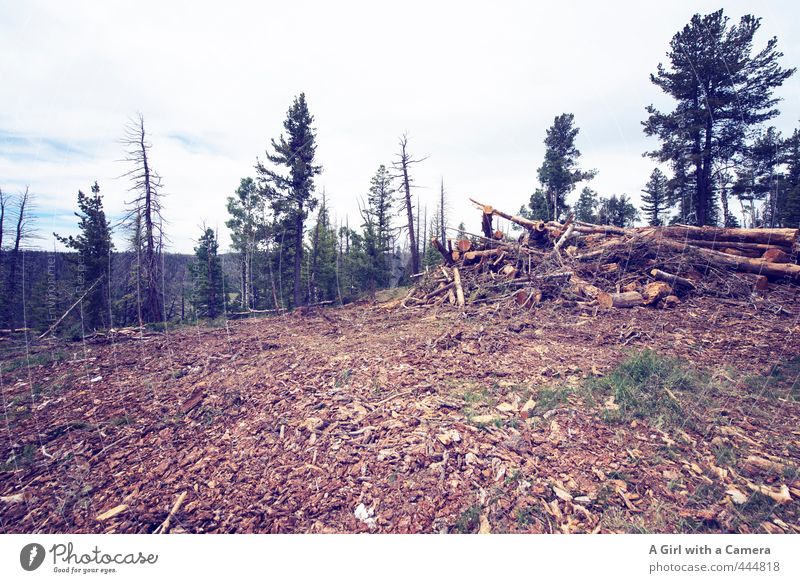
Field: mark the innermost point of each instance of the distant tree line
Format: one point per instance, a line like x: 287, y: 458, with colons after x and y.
x: 719, y: 163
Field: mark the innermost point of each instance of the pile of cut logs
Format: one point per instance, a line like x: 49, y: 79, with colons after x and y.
x: 607, y: 266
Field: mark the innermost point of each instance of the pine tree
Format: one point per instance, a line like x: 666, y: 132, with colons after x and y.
x: 617, y: 211
x: 655, y: 200
x: 586, y: 207
x: 377, y: 216
x: 538, y: 208
x: 722, y: 90
x: 324, y: 246
x: 761, y: 177
x: 790, y: 209
x: 559, y: 173
x: 206, y: 269
x: 291, y: 195
x: 93, y: 246
x: 246, y: 209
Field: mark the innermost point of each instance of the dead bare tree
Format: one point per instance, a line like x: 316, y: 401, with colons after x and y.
x: 2, y: 224
x: 144, y: 221
x: 402, y: 166
x: 23, y: 230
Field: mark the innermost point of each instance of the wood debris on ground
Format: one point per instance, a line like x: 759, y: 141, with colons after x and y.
x: 363, y: 419
x: 367, y: 418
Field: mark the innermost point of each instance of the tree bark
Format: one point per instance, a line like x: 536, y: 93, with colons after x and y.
x: 734, y: 263
x: 673, y: 280
x: 782, y: 237
x: 620, y: 300
x: 459, y: 290
x: 298, y: 253
x: 776, y: 256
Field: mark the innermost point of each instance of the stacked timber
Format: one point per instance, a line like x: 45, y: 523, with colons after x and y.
x: 604, y: 265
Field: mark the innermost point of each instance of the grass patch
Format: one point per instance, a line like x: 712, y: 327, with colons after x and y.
x: 469, y: 521
x: 725, y: 455
x: 38, y: 359
x: 618, y: 521
x: 20, y: 457
x: 549, y: 398
x: 343, y: 377
x: 647, y: 385
x: 119, y: 421
x: 781, y: 380
x: 756, y: 510
x: 533, y: 515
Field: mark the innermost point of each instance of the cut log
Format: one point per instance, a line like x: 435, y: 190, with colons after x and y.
x: 740, y: 252
x: 762, y: 283
x: 620, y: 300
x: 442, y: 251
x: 489, y: 210
x: 527, y: 298
x: 731, y: 262
x: 509, y: 270
x: 591, y: 229
x: 567, y: 234
x: 784, y: 237
x: 438, y: 291
x: 498, y: 235
x: 486, y: 225
x: 459, y: 289
x: 463, y: 245
x: 670, y: 301
x: 776, y: 256
x: 654, y: 291
x: 473, y: 255
x: 583, y: 288
x: 680, y: 283
x: 757, y: 247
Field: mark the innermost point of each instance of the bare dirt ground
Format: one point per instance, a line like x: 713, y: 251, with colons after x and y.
x: 496, y: 419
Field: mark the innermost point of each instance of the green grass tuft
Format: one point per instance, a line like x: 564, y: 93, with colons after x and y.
x: 647, y: 385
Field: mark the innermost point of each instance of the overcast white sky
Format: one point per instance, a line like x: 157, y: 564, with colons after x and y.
x: 474, y: 85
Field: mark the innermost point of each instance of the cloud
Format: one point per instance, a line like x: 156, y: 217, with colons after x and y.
x: 474, y: 85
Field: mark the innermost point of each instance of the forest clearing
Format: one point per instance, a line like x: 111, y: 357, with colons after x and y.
x: 380, y: 288
x: 497, y: 416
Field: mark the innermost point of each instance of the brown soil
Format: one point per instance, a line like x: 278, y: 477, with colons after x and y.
x: 287, y: 424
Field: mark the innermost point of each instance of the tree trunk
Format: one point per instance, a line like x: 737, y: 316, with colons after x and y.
x: 620, y: 300
x: 410, y: 215
x: 673, y: 280
x: 734, y: 263
x: 298, y: 253
x: 782, y: 237
x: 459, y: 290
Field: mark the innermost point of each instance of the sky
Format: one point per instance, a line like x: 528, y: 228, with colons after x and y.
x: 474, y: 85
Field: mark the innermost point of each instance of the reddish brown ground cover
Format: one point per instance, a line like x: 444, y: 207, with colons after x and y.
x: 433, y: 419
